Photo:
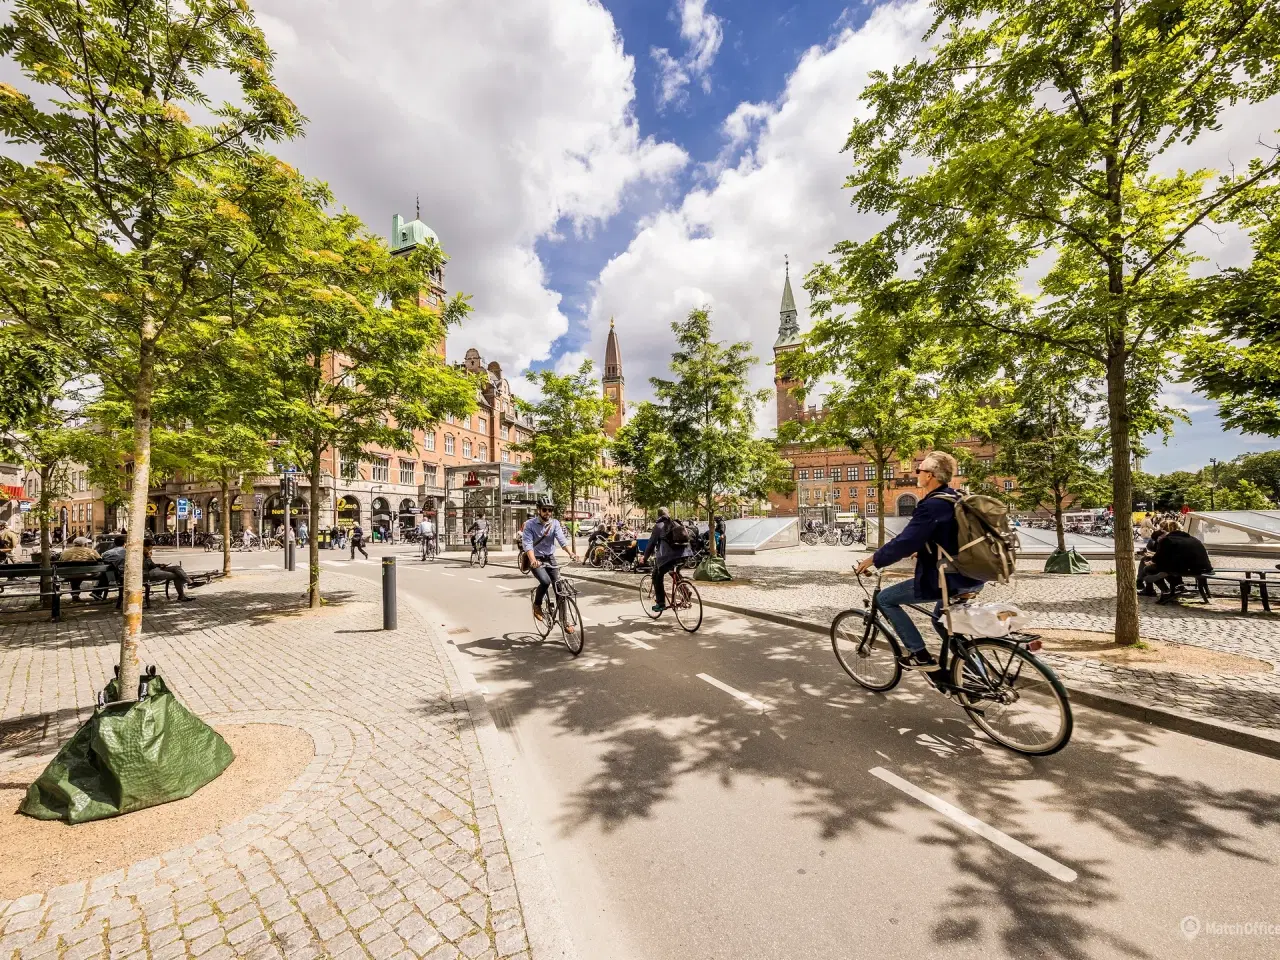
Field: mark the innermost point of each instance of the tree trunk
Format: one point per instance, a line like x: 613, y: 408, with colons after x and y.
x: 573, y: 496
x: 131, y: 628
x: 224, y: 519
x: 46, y: 538
x: 1057, y: 519
x: 1122, y: 499
x: 313, y: 533
x: 881, y: 505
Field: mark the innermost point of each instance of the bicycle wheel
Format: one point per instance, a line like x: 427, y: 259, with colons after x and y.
x: 570, y: 618
x: 1012, y: 696
x: 484, y: 557
x: 647, y: 599
x: 475, y: 558
x: 688, y: 605
x: 544, y: 625
x: 867, y: 655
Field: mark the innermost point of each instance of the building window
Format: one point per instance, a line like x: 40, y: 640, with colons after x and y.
x: 871, y: 493
x: 448, y: 444
x: 408, y: 469
x: 836, y: 493
x: 484, y: 424
x: 853, y: 493
x: 429, y: 474
x: 506, y: 432
x: 888, y: 471
x: 381, y: 468
x: 804, y: 495
x: 870, y: 472
x: 960, y: 469
x: 804, y: 474
x: 466, y: 449
x: 506, y: 456
x: 835, y: 474
x: 430, y: 440
x: 350, y: 466
x: 466, y: 422
x: 871, y: 509
x: 1008, y: 486
x: 484, y: 453
x: 817, y: 473
x: 448, y: 418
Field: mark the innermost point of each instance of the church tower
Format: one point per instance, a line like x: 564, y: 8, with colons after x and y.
x: 613, y: 382
x: 789, y: 405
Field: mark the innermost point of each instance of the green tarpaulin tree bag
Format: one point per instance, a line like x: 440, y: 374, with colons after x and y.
x: 1066, y: 561
x: 129, y: 755
x: 712, y: 568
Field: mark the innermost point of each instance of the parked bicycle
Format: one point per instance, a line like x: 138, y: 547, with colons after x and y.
x: 682, y: 598
x: 560, y: 606
x: 1008, y: 692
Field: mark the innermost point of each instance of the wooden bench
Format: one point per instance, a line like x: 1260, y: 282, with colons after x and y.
x: 1245, y: 582
x: 28, y: 578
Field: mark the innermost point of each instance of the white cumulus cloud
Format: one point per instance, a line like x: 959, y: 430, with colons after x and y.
x: 507, y: 118
x: 702, y: 33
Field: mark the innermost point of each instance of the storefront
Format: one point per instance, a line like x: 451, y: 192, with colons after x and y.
x: 489, y: 490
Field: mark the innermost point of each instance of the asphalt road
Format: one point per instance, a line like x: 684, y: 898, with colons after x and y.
x: 732, y: 794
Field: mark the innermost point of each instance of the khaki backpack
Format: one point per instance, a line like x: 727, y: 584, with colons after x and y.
x: 988, y: 544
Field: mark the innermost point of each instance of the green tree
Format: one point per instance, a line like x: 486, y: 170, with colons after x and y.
x: 887, y: 397
x: 568, y: 445
x: 352, y: 357
x: 1262, y: 470
x: 1043, y: 437
x: 1237, y: 361
x: 646, y: 456
x: 1030, y: 141
x: 118, y: 241
x: 706, y: 414
x: 1243, y: 496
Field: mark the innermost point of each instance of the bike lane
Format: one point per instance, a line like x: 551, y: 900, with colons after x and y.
x: 733, y: 794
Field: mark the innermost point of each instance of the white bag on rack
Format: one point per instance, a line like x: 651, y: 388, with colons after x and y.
x: 988, y: 619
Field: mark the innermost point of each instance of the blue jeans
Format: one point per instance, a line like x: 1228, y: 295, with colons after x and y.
x: 890, y: 601
x: 546, y: 574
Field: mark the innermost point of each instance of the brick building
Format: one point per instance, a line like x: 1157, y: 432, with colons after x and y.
x: 834, y: 480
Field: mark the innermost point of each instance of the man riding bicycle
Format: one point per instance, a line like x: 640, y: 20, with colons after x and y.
x: 426, y: 535
x: 933, y: 525
x: 479, y: 533
x: 671, y: 541
x: 538, y: 540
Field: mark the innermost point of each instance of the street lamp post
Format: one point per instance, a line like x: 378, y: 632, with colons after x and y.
x: 1213, y: 484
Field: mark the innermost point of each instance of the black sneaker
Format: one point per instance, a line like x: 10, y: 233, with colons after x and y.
x: 918, y: 661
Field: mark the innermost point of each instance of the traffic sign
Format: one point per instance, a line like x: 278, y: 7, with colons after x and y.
x: 184, y: 508
x: 199, y: 513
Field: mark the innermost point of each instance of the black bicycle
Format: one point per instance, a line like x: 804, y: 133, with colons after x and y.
x: 1008, y: 692
x: 480, y: 552
x: 560, y: 606
x: 427, y: 546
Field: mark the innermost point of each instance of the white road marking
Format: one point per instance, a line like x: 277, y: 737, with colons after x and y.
x: 503, y: 586
x: 639, y: 643
x: 443, y: 574
x: 744, y: 697
x: 475, y: 579
x: 1002, y: 840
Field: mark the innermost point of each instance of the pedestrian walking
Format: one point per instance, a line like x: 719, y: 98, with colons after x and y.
x: 357, y: 542
x: 302, y: 534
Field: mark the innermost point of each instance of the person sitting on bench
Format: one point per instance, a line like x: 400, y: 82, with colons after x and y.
x: 160, y: 572
x: 1178, y: 555
x: 80, y: 551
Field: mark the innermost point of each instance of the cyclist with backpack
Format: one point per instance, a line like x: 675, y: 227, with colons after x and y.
x: 932, y: 534
x: 670, y: 539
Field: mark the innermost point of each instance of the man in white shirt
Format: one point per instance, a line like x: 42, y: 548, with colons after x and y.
x: 426, y: 536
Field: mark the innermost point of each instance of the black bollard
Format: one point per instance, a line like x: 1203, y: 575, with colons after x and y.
x: 388, y: 593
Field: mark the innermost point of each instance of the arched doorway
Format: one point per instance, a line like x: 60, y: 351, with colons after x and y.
x: 237, y: 515
x: 407, y: 516
x: 273, y: 513
x: 906, y: 505
x: 381, y: 517
x: 348, y: 511
x: 213, y: 516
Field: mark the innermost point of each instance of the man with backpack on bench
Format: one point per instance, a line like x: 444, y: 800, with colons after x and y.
x: 934, y: 535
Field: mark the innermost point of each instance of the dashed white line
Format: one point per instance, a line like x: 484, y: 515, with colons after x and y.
x: 637, y: 643
x: 443, y: 574
x: 1019, y: 849
x: 744, y: 697
x: 475, y: 579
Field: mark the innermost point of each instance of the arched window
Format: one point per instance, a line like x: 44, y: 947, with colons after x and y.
x: 484, y: 452
x: 466, y: 449
x: 448, y: 443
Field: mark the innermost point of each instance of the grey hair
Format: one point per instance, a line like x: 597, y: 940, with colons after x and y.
x: 664, y: 512
x: 941, y: 465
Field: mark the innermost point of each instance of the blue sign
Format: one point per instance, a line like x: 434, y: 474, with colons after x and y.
x: 199, y: 513
x: 184, y: 508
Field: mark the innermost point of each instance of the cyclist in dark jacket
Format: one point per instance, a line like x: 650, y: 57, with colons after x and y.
x: 933, y: 525
x: 670, y: 555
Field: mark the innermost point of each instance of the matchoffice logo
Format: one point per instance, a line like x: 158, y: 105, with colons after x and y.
x: 1191, y: 928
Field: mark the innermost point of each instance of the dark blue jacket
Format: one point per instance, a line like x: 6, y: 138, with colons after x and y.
x: 932, y: 525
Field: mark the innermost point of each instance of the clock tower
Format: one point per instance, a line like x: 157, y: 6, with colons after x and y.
x: 613, y: 382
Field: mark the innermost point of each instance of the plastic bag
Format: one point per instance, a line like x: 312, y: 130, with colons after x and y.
x: 988, y: 619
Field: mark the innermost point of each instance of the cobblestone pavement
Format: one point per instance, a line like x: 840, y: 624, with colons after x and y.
x: 816, y: 583
x: 388, y: 846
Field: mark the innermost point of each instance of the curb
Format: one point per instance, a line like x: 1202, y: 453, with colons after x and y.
x: 1222, y: 732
